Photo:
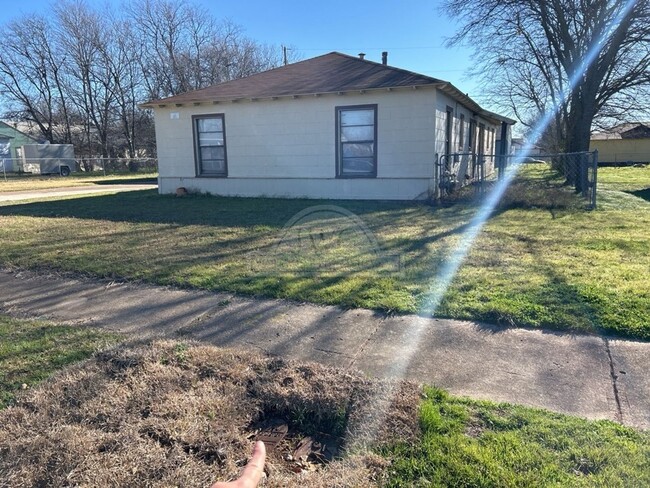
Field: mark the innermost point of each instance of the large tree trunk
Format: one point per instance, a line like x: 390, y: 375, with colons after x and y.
x: 578, y: 135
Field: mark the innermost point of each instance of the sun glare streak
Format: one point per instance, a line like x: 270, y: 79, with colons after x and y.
x: 443, y: 279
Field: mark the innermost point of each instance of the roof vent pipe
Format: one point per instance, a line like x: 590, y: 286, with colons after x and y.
x: 362, y: 55
x: 384, y: 57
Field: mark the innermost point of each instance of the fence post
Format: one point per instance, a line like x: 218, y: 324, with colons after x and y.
x: 595, y: 178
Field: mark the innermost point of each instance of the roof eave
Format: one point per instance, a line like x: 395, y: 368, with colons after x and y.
x: 465, y: 99
x: 444, y: 86
x: 164, y: 103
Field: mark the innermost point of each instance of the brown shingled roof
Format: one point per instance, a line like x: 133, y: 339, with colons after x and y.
x: 627, y: 130
x: 329, y: 73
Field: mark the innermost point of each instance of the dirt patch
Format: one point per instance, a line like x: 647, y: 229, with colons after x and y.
x: 178, y: 414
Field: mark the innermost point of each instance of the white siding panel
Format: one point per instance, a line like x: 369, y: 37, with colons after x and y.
x: 350, y: 189
x: 442, y: 102
x: 292, y: 143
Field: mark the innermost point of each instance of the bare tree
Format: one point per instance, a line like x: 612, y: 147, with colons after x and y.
x: 528, y: 51
x: 80, y: 74
x: 31, y: 77
x: 184, y: 48
x: 83, y: 37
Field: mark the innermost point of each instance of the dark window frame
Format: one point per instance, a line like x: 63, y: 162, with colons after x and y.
x: 472, y: 136
x: 461, y: 133
x: 481, y: 139
x: 197, y: 152
x: 449, y: 130
x: 339, y: 146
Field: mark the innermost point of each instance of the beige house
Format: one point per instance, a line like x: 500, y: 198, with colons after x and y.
x: 334, y: 126
x: 624, y: 144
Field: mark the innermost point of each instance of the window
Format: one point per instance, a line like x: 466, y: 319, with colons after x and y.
x: 210, y: 145
x: 449, y: 117
x: 461, y: 133
x: 356, y: 141
x: 472, y: 136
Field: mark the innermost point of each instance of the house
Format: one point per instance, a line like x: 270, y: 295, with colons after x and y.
x: 11, y: 142
x: 627, y: 143
x: 519, y: 145
x: 334, y: 126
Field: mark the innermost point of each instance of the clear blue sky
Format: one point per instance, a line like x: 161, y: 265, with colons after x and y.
x: 412, y: 32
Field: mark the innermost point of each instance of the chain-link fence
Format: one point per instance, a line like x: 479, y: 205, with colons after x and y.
x: 457, y: 171
x: 562, y: 176
x: 553, y: 180
x: 117, y: 165
x: 66, y: 166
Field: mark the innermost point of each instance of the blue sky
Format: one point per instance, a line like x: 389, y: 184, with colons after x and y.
x: 412, y: 32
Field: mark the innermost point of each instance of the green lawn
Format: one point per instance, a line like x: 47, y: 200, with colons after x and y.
x: 468, y: 443
x: 30, y: 351
x: 36, y: 182
x: 533, y: 265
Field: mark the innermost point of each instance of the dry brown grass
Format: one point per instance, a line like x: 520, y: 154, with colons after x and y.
x: 178, y: 414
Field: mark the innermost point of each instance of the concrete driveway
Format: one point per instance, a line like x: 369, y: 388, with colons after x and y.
x: 12, y: 196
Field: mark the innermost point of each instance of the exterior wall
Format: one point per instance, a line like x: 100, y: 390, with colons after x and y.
x: 286, y: 147
x: 462, y: 164
x: 325, y: 188
x: 622, y: 150
x: 17, y: 139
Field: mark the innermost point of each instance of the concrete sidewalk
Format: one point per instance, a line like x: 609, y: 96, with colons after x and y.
x: 589, y: 376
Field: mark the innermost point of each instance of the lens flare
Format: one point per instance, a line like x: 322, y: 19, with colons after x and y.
x: 444, y: 277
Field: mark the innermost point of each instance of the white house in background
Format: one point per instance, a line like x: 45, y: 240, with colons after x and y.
x: 334, y: 126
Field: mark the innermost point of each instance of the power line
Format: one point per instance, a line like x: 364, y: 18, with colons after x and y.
x: 370, y: 48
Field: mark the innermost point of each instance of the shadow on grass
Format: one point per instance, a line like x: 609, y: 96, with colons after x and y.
x: 148, y: 206
x: 645, y: 194
x: 222, y: 255
x: 128, y: 181
x: 230, y: 244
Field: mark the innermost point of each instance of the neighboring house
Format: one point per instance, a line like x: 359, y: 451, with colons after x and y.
x: 519, y: 144
x: 11, y: 142
x: 334, y: 126
x: 624, y: 144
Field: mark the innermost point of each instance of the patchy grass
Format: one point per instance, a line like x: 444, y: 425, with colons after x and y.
x: 627, y: 187
x: 181, y: 414
x: 539, y: 262
x: 30, y: 351
x: 16, y: 182
x: 470, y: 443
x: 628, y: 178
x: 174, y: 414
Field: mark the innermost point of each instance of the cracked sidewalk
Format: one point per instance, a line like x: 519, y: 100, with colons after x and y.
x: 584, y: 375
